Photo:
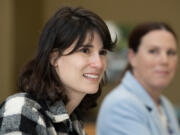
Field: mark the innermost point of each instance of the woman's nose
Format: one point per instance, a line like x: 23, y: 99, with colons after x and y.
x: 164, y: 58
x: 97, y: 61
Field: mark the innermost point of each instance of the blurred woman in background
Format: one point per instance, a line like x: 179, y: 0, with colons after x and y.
x: 136, y: 106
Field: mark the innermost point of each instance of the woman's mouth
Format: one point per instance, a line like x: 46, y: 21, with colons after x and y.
x: 91, y: 76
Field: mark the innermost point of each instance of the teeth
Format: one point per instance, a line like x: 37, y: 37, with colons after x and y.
x: 91, y: 76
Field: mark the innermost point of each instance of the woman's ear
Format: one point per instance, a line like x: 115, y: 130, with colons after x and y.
x: 53, y: 58
x: 131, y: 57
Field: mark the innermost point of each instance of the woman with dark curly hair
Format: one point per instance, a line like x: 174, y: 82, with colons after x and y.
x: 63, y: 80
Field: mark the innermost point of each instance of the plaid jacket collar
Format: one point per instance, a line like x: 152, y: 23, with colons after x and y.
x: 57, y: 112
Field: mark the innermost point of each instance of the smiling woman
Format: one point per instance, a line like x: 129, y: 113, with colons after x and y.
x: 87, y: 65
x: 63, y: 80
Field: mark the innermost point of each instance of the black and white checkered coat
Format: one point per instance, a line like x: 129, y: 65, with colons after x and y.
x: 21, y: 115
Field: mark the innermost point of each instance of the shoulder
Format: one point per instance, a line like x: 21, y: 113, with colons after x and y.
x: 120, y: 97
x: 17, y: 102
x: 121, y: 107
x: 121, y: 103
x: 18, y: 112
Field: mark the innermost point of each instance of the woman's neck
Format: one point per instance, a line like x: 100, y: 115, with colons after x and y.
x: 155, y: 95
x: 75, y: 99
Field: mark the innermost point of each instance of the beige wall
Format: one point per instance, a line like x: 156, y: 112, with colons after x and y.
x: 6, y: 47
x: 28, y: 25
x: 23, y: 20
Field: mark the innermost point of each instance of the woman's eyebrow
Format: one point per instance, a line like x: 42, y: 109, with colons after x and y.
x: 90, y: 46
x: 87, y: 45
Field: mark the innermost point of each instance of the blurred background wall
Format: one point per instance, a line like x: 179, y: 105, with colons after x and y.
x: 21, y: 22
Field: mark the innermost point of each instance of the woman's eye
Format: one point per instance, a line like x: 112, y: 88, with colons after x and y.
x: 171, y: 52
x: 152, y: 51
x: 85, y: 50
x: 103, y: 52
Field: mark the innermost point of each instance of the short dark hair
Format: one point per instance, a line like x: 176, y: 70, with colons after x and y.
x: 39, y: 77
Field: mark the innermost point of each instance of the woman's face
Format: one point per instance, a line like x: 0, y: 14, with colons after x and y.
x: 82, y: 71
x: 154, y: 64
